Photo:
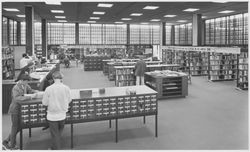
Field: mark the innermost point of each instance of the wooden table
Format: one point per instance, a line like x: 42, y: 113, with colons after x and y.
x: 114, y: 104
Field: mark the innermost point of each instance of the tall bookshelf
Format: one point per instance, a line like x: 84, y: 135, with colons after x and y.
x: 222, y: 67
x: 242, y: 74
x: 93, y: 62
x: 8, y: 64
x: 198, y: 63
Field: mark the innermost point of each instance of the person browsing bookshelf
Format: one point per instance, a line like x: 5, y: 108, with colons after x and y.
x: 140, y: 69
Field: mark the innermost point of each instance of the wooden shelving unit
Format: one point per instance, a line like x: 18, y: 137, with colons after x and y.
x: 222, y: 66
x: 8, y: 63
x: 168, y: 84
x: 198, y: 63
x: 94, y: 63
x: 242, y: 74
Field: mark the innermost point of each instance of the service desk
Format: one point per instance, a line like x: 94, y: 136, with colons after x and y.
x: 114, y: 104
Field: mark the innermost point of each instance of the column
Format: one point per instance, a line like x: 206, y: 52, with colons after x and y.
x: 164, y: 33
x: 172, y: 35
x: 44, y: 38
x: 197, y: 37
x: 29, y: 16
x: 128, y: 36
x: 18, y: 33
x: 77, y: 33
x: 203, y: 31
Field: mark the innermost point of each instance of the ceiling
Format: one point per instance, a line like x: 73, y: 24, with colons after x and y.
x: 82, y: 11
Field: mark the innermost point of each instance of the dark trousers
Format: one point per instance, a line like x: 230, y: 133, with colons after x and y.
x: 15, y: 128
x: 56, y: 128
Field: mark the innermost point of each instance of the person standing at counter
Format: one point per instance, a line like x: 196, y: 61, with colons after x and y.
x: 18, y: 95
x: 140, y: 69
x: 57, y: 98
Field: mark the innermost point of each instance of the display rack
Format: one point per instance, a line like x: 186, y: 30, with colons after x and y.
x: 93, y: 62
x: 242, y: 74
x: 198, y: 63
x: 8, y: 64
x: 125, y: 74
x: 115, y: 103
x: 167, y: 83
x: 222, y: 66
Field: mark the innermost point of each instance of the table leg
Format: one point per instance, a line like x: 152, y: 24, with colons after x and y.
x: 110, y: 123
x: 29, y: 132
x: 144, y: 119
x: 156, y: 125
x: 116, y: 130
x: 71, y: 126
x: 21, y: 139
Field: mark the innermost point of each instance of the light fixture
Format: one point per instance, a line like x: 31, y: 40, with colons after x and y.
x: 57, y: 11
x: 119, y: 22
x: 20, y: 15
x: 151, y: 7
x: 204, y: 17
x: 99, y: 13
x: 94, y: 18
x: 11, y: 9
x: 54, y: 2
x: 191, y: 9
x: 104, y: 5
x: 181, y: 21
x: 126, y: 19
x: 61, y: 21
x: 226, y: 11
x: 169, y: 15
x: 91, y: 21
x: 136, y: 14
x: 60, y: 17
x: 219, y: 1
x: 144, y: 23
x: 155, y: 20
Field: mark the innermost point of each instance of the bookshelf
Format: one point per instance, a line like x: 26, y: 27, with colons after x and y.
x: 8, y: 64
x: 222, y: 66
x: 167, y: 83
x: 93, y: 62
x: 242, y: 74
x: 198, y: 63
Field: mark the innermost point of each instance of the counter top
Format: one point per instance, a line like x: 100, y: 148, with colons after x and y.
x: 149, y: 66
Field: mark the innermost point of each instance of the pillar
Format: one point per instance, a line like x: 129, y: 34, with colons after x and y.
x: 77, y: 33
x: 164, y: 33
x: 29, y: 16
x: 44, y: 38
x: 172, y: 35
x: 197, y: 36
x: 18, y: 33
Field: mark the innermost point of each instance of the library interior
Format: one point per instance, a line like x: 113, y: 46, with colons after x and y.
x: 139, y: 75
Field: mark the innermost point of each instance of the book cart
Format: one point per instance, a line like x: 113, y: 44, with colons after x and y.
x: 167, y: 83
x: 113, y: 104
x: 125, y: 74
x: 242, y: 73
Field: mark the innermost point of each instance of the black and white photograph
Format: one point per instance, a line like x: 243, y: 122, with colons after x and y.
x: 124, y: 75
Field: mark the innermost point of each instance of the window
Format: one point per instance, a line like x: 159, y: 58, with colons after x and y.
x: 84, y: 33
x: 38, y: 33
x: 23, y: 33
x: 96, y: 33
x: 68, y: 33
x: 4, y: 31
x: 168, y: 35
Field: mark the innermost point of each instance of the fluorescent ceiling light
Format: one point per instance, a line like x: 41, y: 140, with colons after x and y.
x: 104, y: 5
x: 99, y: 13
x: 169, y: 15
x: 57, y: 11
x: 119, y: 22
x: 126, y: 19
x: 226, y: 11
x: 94, y: 18
x: 191, y: 9
x: 155, y: 20
x: 136, y: 14
x: 60, y: 17
x: 181, y: 21
x: 144, y: 23
x: 20, y: 15
x: 151, y: 7
x: 219, y: 1
x: 52, y: 2
x: 204, y: 17
x: 61, y: 21
x: 91, y: 21
x: 11, y: 9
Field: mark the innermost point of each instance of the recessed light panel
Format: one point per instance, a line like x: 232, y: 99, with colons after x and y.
x: 94, y: 18
x: 226, y: 11
x: 119, y: 22
x: 204, y: 17
x: 20, y: 15
x: 144, y: 23
x: 169, y: 15
x: 91, y: 21
x: 151, y: 7
x: 104, y: 5
x: 11, y: 9
x: 191, y: 9
x: 52, y: 2
x: 155, y: 20
x: 181, y: 21
x: 136, y: 14
x: 57, y: 11
x: 60, y: 17
x: 61, y: 21
x: 99, y: 13
x: 126, y: 19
